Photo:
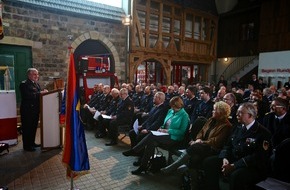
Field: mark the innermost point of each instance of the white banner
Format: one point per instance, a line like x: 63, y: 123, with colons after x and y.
x: 274, y: 64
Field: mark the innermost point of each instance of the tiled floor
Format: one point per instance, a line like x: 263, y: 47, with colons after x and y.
x: 109, y: 169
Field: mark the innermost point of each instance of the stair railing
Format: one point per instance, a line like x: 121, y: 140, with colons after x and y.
x: 236, y: 65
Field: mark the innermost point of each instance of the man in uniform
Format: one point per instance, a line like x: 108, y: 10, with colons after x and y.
x: 30, y: 93
x: 243, y: 160
x: 124, y: 115
x: 110, y: 110
x: 86, y: 114
x: 137, y: 96
x: 155, y: 119
x: 191, y: 101
x: 205, y: 107
x: 278, y: 122
x: 145, y: 106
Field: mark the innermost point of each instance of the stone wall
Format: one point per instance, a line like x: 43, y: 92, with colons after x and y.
x: 46, y: 31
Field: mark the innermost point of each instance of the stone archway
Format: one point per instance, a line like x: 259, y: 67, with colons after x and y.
x: 166, y: 64
x: 97, y: 36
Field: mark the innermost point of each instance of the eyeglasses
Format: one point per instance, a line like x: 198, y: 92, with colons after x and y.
x: 226, y: 99
x: 241, y: 113
x: 275, y: 106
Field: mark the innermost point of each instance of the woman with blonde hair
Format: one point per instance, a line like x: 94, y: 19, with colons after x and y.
x: 209, y: 141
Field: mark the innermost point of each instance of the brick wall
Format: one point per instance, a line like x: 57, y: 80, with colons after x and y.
x: 46, y: 32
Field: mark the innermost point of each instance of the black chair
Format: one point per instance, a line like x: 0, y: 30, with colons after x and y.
x: 281, y: 161
x: 124, y: 129
x: 197, y: 126
x: 189, y: 135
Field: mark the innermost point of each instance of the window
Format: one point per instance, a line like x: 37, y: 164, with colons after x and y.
x: 247, y: 31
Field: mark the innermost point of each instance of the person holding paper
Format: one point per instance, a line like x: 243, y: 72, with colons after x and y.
x: 175, y: 126
x: 152, y: 123
x: 110, y: 110
x: 123, y: 116
x: 209, y: 141
x: 86, y: 110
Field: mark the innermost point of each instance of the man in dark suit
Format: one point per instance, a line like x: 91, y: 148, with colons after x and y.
x: 105, y: 99
x: 124, y: 115
x: 191, y: 101
x: 111, y: 109
x: 30, y: 107
x: 244, y: 159
x: 205, y: 106
x: 94, y: 102
x: 146, y: 104
x: 137, y: 96
x: 153, y: 122
x: 278, y: 121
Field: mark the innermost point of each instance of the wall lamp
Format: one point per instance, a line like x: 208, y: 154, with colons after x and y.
x: 126, y: 20
x: 226, y: 59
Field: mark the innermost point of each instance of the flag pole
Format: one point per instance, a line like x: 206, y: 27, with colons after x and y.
x: 71, y: 180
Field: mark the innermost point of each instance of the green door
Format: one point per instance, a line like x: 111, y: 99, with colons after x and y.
x: 22, y: 61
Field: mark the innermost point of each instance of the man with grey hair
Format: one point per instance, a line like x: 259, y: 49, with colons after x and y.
x: 123, y: 116
x: 244, y: 159
x: 30, y: 108
x: 268, y: 95
x: 155, y: 119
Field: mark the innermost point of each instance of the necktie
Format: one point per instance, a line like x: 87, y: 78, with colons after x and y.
x: 277, y: 121
x: 244, y: 129
x: 152, y: 111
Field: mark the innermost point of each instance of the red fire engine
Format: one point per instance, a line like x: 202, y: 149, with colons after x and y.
x: 95, y: 69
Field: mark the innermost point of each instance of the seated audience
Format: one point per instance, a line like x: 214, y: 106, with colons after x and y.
x: 137, y: 96
x: 278, y: 121
x: 222, y: 82
x: 190, y: 102
x: 141, y: 112
x: 155, y: 119
x: 110, y: 110
x: 230, y: 99
x: 204, y: 108
x: 124, y: 115
x: 169, y: 94
x: 220, y: 95
x: 262, y: 107
x: 104, y: 100
x: 209, y: 140
x: 175, y: 126
x: 181, y: 92
x: 243, y: 160
x: 86, y: 115
x: 267, y: 95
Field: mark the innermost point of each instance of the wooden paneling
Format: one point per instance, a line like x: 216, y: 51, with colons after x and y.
x: 238, y: 33
x: 275, y: 26
x: 162, y: 29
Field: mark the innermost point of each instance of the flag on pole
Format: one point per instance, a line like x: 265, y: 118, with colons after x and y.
x: 62, y: 108
x: 75, y: 154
